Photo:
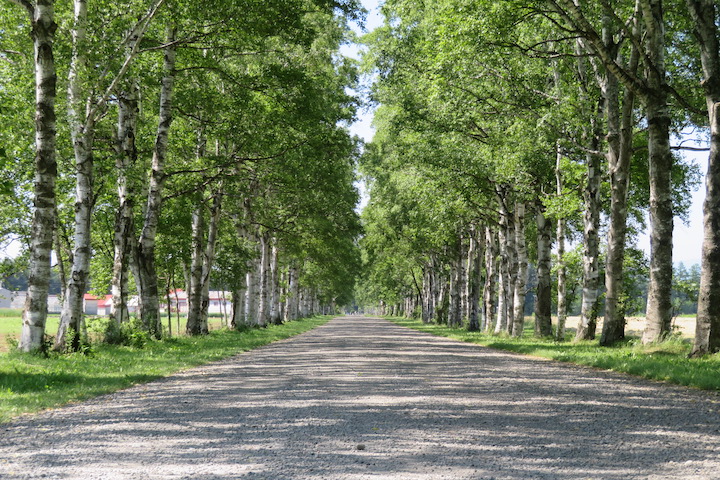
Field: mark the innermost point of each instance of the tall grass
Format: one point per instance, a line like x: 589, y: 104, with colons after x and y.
x: 666, y: 361
x: 29, y: 383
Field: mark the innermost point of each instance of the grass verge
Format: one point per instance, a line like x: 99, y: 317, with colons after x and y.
x: 667, y: 361
x: 29, y: 383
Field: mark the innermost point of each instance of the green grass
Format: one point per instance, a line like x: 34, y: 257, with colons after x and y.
x: 11, y: 325
x: 667, y: 361
x: 29, y: 383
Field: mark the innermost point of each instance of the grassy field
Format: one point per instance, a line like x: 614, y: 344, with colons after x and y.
x: 29, y: 383
x: 666, y: 361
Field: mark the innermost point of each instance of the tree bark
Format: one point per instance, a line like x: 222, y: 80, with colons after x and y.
x: 126, y: 157
x: 264, y: 281
x: 291, y: 310
x: 43, y: 26
x: 653, y: 90
x: 455, y: 309
x: 660, y: 160
x: 209, y: 257
x: 518, y: 316
x: 504, y: 278
x: 434, y: 290
x: 464, y: 278
x: 238, y: 307
x: 619, y: 139
x: 475, y: 257
x: 543, y: 293
x: 82, y: 132
x: 561, y: 270
x: 149, y: 306
x: 251, y: 294
x: 591, y: 265
x: 490, y: 280
x: 195, y: 292
x: 275, y: 317
x: 707, y: 332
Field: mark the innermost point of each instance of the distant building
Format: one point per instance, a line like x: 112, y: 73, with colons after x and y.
x: 54, y: 305
x: 104, y: 305
x: 220, y: 302
x: 6, y: 297
x: 18, y: 300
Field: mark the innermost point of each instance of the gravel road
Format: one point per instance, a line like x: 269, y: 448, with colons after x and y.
x: 362, y: 398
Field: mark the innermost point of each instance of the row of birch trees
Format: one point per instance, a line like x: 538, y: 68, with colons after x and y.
x: 510, y: 131
x: 178, y: 145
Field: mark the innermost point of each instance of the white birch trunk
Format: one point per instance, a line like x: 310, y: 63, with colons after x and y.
x: 238, y: 308
x: 475, y: 256
x: 194, y: 318
x: 274, y: 279
x: 126, y: 156
x: 82, y: 132
x: 561, y: 270
x: 591, y: 265
x: 454, y: 310
x: 464, y: 278
x: 508, y: 267
x: 427, y: 295
x: 43, y: 26
x: 291, y: 310
x: 707, y: 332
x: 209, y: 257
x: 302, y: 304
x: 660, y: 160
x: 435, y: 301
x: 283, y: 293
x: 522, y: 271
x: 543, y: 294
x: 501, y: 323
x: 148, y: 287
x: 251, y: 294
x: 488, y: 311
x: 620, y: 125
x: 264, y: 283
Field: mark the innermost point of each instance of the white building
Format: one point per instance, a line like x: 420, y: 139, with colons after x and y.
x: 6, y: 298
x: 220, y: 302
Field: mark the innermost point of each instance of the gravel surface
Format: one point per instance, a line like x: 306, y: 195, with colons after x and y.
x: 362, y: 398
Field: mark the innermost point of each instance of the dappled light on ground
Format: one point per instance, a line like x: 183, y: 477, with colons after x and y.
x: 362, y: 398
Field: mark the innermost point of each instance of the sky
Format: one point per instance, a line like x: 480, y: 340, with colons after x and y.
x: 687, y: 240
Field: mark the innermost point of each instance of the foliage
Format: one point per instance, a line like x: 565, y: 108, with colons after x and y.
x: 129, y: 334
x: 686, y: 288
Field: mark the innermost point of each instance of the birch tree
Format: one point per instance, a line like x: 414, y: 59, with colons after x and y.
x: 84, y: 112
x: 41, y: 16
x: 704, y: 14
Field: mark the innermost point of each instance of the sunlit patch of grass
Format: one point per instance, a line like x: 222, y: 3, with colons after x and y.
x: 665, y: 361
x: 30, y: 382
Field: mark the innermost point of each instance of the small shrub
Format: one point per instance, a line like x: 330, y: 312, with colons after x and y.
x: 242, y: 327
x: 130, y: 333
x: 11, y: 341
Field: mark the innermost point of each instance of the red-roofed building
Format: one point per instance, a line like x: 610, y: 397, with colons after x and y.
x: 220, y: 302
x: 104, y: 305
x: 90, y: 304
